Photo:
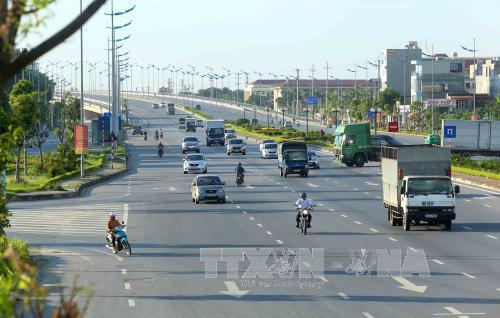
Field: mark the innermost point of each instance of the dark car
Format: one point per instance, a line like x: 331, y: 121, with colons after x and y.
x: 137, y: 130
x: 378, y: 141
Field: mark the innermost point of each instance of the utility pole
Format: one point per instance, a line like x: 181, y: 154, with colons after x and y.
x: 82, y: 156
x: 297, y: 99
x: 327, y: 68
x: 238, y: 87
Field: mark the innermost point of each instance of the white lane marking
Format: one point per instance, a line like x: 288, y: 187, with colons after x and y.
x: 379, y: 197
x: 357, y: 222
x: 306, y: 264
x: 367, y: 193
x: 355, y: 189
x: 455, y: 312
x: 373, y: 230
x: 127, y: 286
x: 438, y: 262
x: 259, y: 225
x: 278, y: 183
x: 367, y: 314
x: 321, y: 204
x: 467, y: 200
x: 335, y: 182
x: 294, y: 191
x: 285, y: 187
x: 312, y: 185
x: 227, y: 197
x: 392, y: 239
x: 492, y: 236
x: 244, y: 212
x: 479, y: 189
x: 483, y: 198
x: 124, y: 271
x: 251, y: 218
x: 412, y: 249
x: 343, y: 215
x: 131, y: 303
x: 371, y: 183
x: 279, y: 241
x: 468, y: 275
x: 498, y: 289
x: 344, y: 296
x: 249, y: 187
x: 331, y: 210
x: 488, y: 206
x: 269, y: 233
x: 466, y: 227
x: 323, y: 278
x: 238, y: 207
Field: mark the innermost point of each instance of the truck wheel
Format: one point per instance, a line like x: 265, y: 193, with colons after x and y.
x: 359, y: 160
x: 447, y: 226
x: 349, y: 164
x: 285, y: 173
x: 406, y: 223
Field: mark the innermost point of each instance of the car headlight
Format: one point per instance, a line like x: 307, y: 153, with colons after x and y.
x: 221, y: 190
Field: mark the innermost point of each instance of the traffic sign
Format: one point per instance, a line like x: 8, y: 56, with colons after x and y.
x: 371, y: 115
x: 450, y: 132
x: 81, y: 139
x: 393, y: 126
x: 312, y: 100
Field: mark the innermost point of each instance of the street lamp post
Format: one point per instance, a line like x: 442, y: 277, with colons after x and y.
x: 376, y: 111
x: 432, y: 86
x: 474, y: 78
x: 355, y: 81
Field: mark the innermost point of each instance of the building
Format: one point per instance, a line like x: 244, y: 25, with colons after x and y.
x: 435, y: 78
x: 395, y: 69
x: 487, y: 77
x: 270, y: 90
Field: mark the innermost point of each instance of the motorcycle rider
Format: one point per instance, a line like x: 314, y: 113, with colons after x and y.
x: 240, y: 171
x: 160, y: 148
x: 112, y: 223
x: 161, y: 133
x: 157, y: 135
x: 304, y: 203
x: 145, y: 134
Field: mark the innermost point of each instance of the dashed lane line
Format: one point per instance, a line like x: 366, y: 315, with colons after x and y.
x: 367, y: 193
x: 392, y: 239
x: 124, y: 271
x: 331, y: 210
x: 127, y: 286
x: 131, y: 303
x: 259, y: 225
x: 279, y: 241
x: 367, y: 314
x: 251, y: 218
x: 244, y: 212
x: 373, y: 230
x: 466, y: 227
x: 344, y: 216
x: 468, y: 275
x: 269, y: 233
x: 238, y: 207
x: 486, y: 205
x: 492, y: 236
x: 438, y: 262
x: 357, y: 222
x: 344, y: 296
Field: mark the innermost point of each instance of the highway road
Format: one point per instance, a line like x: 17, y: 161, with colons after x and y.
x: 166, y: 274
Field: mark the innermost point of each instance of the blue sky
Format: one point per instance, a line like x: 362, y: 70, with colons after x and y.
x: 278, y: 35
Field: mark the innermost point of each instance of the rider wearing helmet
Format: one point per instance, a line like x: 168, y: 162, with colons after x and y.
x: 240, y: 170
x: 161, y: 133
x: 302, y: 203
x: 112, y: 223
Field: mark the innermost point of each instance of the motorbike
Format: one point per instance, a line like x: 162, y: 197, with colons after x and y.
x: 160, y: 152
x: 303, y: 216
x: 161, y: 135
x: 239, y: 179
x: 145, y: 137
x: 121, y: 242
x: 156, y: 137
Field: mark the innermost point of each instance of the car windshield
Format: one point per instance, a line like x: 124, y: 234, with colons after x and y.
x: 229, y: 131
x: 429, y: 186
x: 137, y: 127
x: 209, y: 181
x: 311, y: 153
x: 339, y: 140
x: 236, y: 141
x: 271, y: 146
x: 394, y: 142
x: 190, y: 139
x: 267, y: 141
x: 182, y: 120
x: 194, y: 158
x: 295, y: 155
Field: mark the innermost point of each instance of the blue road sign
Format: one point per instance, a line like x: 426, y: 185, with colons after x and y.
x: 450, y: 132
x: 371, y: 115
x: 312, y: 100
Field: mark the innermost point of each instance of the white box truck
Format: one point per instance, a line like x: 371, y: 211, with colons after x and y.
x: 417, y: 185
x: 215, y: 132
x: 471, y: 137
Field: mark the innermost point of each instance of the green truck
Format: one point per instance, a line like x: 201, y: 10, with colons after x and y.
x: 354, y: 144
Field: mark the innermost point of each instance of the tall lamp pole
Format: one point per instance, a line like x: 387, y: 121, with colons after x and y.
x: 475, y: 71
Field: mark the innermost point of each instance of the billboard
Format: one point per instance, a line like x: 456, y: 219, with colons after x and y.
x: 81, y: 139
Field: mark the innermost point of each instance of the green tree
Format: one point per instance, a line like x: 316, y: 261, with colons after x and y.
x: 387, y: 100
x: 23, y: 103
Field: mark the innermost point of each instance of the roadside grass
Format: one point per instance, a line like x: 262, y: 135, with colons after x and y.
x: 40, y: 180
x: 475, y: 172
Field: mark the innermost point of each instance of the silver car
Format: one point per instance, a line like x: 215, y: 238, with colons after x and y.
x: 236, y: 146
x: 190, y: 144
x: 194, y: 163
x: 208, y: 188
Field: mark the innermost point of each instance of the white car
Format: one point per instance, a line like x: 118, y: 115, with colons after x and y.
x: 155, y: 106
x: 190, y: 144
x: 229, y: 134
x: 265, y: 141
x: 236, y: 146
x: 287, y: 124
x: 313, y: 159
x: 195, y: 163
x: 269, y: 151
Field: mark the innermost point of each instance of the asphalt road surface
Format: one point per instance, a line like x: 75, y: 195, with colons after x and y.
x: 166, y: 275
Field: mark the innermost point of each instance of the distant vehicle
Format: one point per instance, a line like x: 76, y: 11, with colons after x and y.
x: 155, y: 106
x: 199, y: 123
x: 182, y: 123
x: 137, y: 130
x: 269, y: 150
x: 417, y: 185
x: 472, y: 137
x: 208, y: 188
x: 313, y: 159
x: 263, y: 142
x: 254, y: 121
x: 292, y: 159
x: 229, y: 134
x: 189, y: 116
x: 163, y: 105
x: 354, y: 145
x: 195, y: 163
x: 236, y: 146
x: 171, y: 109
x: 198, y: 107
x: 432, y: 139
x: 215, y: 132
x: 190, y: 144
x: 190, y: 124
x: 287, y: 124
